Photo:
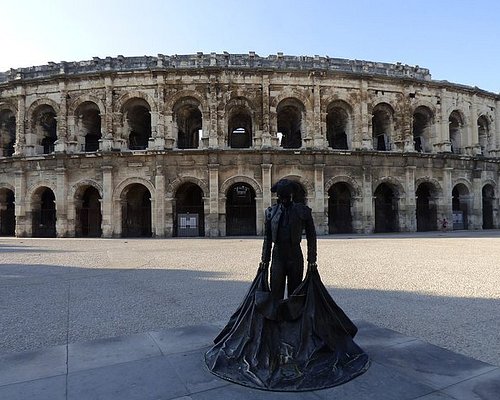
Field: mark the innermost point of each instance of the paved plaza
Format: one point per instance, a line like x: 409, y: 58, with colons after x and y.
x: 130, y: 318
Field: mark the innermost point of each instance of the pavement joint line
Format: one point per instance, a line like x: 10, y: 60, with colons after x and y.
x: 472, y: 377
x: 155, y: 342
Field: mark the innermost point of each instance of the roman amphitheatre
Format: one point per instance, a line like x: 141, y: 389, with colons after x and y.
x: 190, y: 145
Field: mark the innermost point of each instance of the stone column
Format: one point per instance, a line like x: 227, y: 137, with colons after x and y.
x: 476, y: 201
x: 318, y: 138
x: 410, y: 215
x: 61, y: 202
x: 266, y: 185
x: 60, y: 145
x: 368, y: 211
x: 443, y: 143
x: 364, y: 140
x: 267, y: 140
x: 159, y: 212
x: 169, y: 215
x: 106, y: 142
x: 318, y: 207
x: 20, y: 123
x: 473, y: 139
x: 107, y: 201
x: 445, y: 209
x: 212, y: 225
x: 211, y: 126
x: 23, y: 223
x: 159, y: 130
x: 496, y: 134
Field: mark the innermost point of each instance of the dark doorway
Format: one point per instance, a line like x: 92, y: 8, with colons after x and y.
x: 136, y: 211
x: 7, y: 133
x: 289, y: 123
x: 44, y: 214
x: 189, y: 120
x: 336, y: 128
x: 339, y: 209
x: 240, y: 130
x: 189, y: 200
x: 426, y: 208
x: 7, y: 213
x: 240, y: 210
x: 488, y: 198
x: 89, y: 215
x: 459, y: 207
x: 386, y: 209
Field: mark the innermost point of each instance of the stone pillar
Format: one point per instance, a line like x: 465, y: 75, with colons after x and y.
x: 267, y: 139
x: 318, y: 138
x: 107, y: 201
x: 61, y: 202
x: 159, y: 132
x: 445, y: 209
x: 60, y: 145
x: 169, y: 216
x: 266, y: 185
x: 23, y: 223
x: 159, y: 212
x: 473, y: 137
x: 357, y: 214
x: 476, y: 201
x: 212, y: 225
x: 211, y: 126
x: 368, y: 211
x: 496, y: 134
x: 20, y: 123
x: 106, y: 142
x: 410, y: 215
x: 443, y: 143
x: 318, y: 207
x: 364, y: 141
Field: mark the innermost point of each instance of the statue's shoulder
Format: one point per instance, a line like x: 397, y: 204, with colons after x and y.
x: 270, y: 211
x: 303, y: 210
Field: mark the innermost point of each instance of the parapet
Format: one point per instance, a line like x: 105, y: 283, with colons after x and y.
x: 225, y: 60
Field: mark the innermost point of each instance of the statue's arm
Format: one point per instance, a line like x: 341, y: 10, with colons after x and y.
x: 268, y: 239
x: 311, y: 238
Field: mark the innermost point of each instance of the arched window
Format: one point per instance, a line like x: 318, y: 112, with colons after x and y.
x: 45, y: 126
x: 382, y: 127
x: 88, y: 211
x: 422, y: 123
x: 483, y: 128
x: 44, y: 213
x: 289, y: 115
x: 337, y: 127
x: 240, y: 129
x: 189, y: 121
x: 455, y: 131
x: 88, y: 126
x: 136, y: 211
x: 7, y: 133
x: 240, y: 210
x: 138, y: 123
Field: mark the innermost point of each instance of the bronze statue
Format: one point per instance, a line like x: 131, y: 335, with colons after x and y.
x: 303, y: 342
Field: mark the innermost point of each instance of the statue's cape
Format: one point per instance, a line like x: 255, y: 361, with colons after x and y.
x: 302, y: 343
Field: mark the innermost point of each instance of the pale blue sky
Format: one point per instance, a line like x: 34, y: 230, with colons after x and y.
x: 457, y: 40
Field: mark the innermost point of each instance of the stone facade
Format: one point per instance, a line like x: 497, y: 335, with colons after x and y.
x: 137, y: 146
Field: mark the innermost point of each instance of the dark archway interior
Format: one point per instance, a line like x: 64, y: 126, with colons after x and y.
x: 240, y: 130
x: 7, y: 133
x: 44, y: 214
x: 7, y: 213
x: 136, y: 211
x: 189, y: 204
x: 381, y: 121
x: 189, y: 124
x: 339, y: 209
x: 483, y: 127
x: 47, y: 121
x: 459, y: 207
x: 240, y: 210
x: 421, y: 128
x: 426, y: 208
x: 455, y: 126
x: 90, y: 124
x: 89, y: 216
x: 488, y: 200
x: 386, y: 209
x: 139, y: 121
x: 289, y: 124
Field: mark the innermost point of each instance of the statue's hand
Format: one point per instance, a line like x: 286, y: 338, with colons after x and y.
x: 312, y: 266
x: 263, y: 265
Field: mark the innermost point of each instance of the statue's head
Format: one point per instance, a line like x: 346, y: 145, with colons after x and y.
x: 285, y: 190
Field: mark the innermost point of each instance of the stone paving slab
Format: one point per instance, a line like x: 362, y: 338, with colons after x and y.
x: 169, y: 365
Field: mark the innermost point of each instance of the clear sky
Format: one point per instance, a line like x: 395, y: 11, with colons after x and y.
x: 457, y: 40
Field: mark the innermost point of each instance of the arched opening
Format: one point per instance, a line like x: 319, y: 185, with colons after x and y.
x: 426, y: 208
x: 460, y: 195
x: 240, y: 130
x: 483, y: 127
x: 339, y: 209
x: 138, y: 123
x: 189, y: 211
x: 44, y: 213
x: 289, y: 116
x: 7, y: 213
x: 386, y: 209
x: 45, y: 126
x: 89, y: 125
x: 189, y: 121
x: 337, y: 121
x: 136, y: 211
x: 422, y: 122
x: 7, y: 133
x: 456, y: 123
x: 88, y: 213
x: 240, y: 210
x: 488, y: 201
x: 382, y: 120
